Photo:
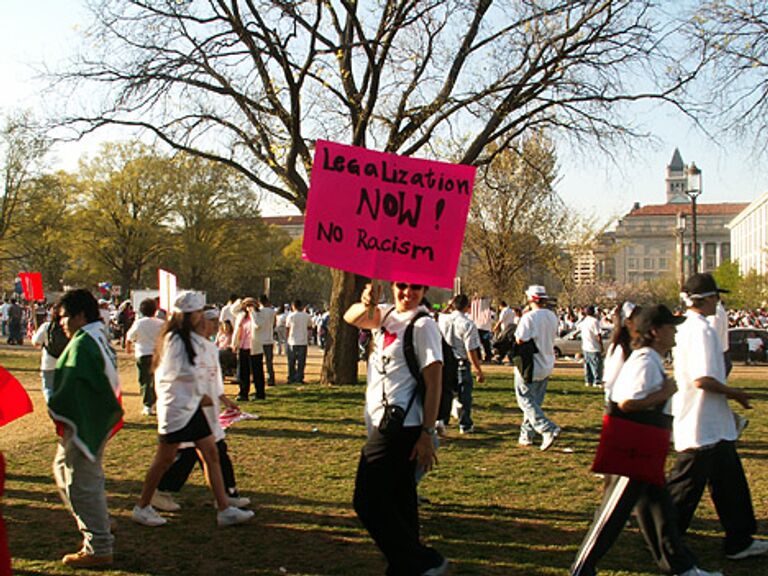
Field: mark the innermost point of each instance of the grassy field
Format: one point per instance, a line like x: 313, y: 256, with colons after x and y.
x: 496, y: 509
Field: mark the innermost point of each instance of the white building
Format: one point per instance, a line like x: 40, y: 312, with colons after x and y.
x: 749, y: 237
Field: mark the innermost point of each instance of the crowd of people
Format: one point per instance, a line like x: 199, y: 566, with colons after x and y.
x: 422, y: 369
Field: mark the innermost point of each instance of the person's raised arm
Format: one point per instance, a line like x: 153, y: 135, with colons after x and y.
x: 365, y: 314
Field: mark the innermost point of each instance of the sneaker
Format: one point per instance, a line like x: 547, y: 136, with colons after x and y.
x: 755, y: 549
x: 147, y: 516
x: 164, y: 501
x: 82, y: 559
x: 238, y: 501
x: 439, y: 570
x: 231, y: 516
x: 524, y: 442
x: 548, y: 438
x: 242, y: 398
x: 466, y: 430
x: 146, y: 411
x: 699, y: 572
x: 235, y: 501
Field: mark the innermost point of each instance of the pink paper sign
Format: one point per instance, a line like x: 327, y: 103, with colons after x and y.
x: 386, y: 216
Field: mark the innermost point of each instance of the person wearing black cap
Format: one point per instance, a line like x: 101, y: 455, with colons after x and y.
x: 642, y: 385
x: 704, y: 430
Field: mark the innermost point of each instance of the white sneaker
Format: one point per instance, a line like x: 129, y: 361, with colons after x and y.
x: 699, y: 572
x: 164, y: 501
x: 755, y: 549
x: 238, y: 501
x: 231, y: 516
x: 147, y: 516
x: 146, y: 411
x: 548, y: 438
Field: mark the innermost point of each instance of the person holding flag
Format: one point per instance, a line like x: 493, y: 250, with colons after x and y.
x: 86, y: 406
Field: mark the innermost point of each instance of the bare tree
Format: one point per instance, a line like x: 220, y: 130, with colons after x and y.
x: 729, y: 42
x: 253, y: 83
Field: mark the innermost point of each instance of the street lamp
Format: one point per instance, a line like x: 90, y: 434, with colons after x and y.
x: 680, y: 232
x: 692, y: 191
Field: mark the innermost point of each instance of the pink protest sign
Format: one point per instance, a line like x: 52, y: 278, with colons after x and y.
x: 386, y: 216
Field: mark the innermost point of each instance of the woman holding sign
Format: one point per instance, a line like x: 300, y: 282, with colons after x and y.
x: 400, y: 432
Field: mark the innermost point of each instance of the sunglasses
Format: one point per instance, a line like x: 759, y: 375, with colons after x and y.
x: 405, y: 285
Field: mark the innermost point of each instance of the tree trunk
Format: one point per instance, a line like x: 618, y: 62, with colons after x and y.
x: 340, y: 360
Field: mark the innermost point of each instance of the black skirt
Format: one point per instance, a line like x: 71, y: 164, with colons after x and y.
x: 196, y: 429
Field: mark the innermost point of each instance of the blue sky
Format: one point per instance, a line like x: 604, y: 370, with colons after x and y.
x: 45, y: 30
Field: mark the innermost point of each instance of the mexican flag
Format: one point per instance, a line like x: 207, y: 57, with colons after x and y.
x: 86, y: 392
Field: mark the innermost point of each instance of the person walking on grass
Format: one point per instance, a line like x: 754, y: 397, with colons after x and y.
x: 296, y: 334
x: 142, y: 335
x: 705, y: 431
x: 86, y: 408
x: 642, y: 387
x: 182, y: 394
x: 461, y: 333
x: 401, y: 426
x: 591, y: 348
x: 186, y: 458
x: 537, y: 327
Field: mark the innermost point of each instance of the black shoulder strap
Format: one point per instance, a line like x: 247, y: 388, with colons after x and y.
x: 410, y: 351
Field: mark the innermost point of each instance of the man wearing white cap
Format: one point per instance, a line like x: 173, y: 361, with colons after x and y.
x: 538, y: 326
x: 704, y: 429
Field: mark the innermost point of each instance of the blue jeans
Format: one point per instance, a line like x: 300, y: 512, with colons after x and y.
x: 593, y: 367
x: 465, y: 387
x: 47, y: 378
x: 297, y: 359
x: 530, y: 397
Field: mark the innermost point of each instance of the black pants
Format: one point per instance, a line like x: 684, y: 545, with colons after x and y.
x: 385, y: 502
x: 268, y: 355
x: 720, y: 468
x: 655, y: 515
x: 186, y: 458
x: 146, y: 380
x: 251, y: 366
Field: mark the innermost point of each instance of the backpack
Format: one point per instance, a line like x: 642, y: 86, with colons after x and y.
x: 450, y: 369
x: 57, y: 339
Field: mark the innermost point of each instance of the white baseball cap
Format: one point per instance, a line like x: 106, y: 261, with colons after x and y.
x: 189, y: 301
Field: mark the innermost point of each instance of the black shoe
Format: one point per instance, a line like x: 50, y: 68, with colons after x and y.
x: 242, y: 399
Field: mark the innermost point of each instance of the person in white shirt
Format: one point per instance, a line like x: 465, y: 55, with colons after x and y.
x: 296, y: 329
x: 621, y: 344
x: 41, y: 339
x: 591, y: 348
x: 280, y: 319
x: 641, y: 387
x: 142, y: 337
x: 704, y: 429
x: 462, y: 335
x: 385, y: 497
x: 539, y: 326
x: 267, y: 316
x: 247, y: 343
x: 4, y: 317
x: 182, y: 393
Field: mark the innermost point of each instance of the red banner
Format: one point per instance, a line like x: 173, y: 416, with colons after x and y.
x: 32, y: 284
